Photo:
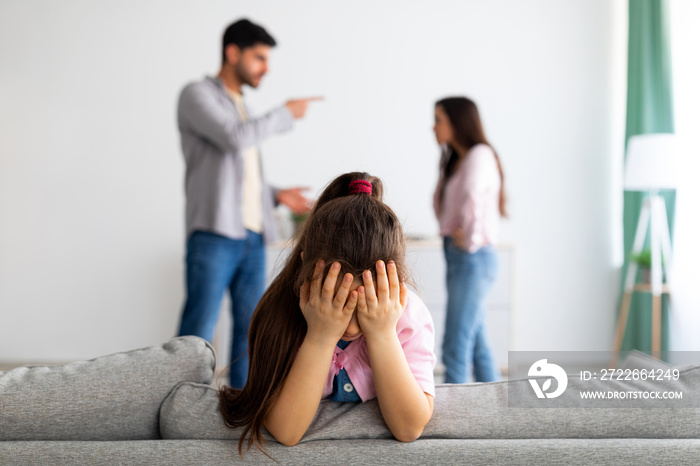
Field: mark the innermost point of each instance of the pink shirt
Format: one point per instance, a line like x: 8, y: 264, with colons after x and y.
x: 471, y: 199
x: 417, y: 337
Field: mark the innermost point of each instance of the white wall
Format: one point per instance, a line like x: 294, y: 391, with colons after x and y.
x: 685, y: 313
x: 91, y: 190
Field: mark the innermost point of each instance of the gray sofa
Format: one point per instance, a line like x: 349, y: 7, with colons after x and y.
x: 156, y: 406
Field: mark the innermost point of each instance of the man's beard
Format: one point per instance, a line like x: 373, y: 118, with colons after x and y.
x: 245, y: 77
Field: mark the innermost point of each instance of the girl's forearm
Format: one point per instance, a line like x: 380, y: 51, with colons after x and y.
x: 295, y: 408
x: 405, y: 407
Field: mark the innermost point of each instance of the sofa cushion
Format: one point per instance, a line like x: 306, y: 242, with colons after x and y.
x: 115, y: 397
x: 469, y: 411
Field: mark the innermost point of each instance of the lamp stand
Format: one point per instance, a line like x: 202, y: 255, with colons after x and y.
x: 653, y: 213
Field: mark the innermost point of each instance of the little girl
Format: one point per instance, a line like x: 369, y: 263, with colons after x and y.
x: 338, y: 322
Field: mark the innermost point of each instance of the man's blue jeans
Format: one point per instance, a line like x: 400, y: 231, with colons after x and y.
x: 216, y: 263
x: 466, y: 346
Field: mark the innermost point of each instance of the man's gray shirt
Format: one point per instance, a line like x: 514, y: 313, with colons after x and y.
x: 213, y: 138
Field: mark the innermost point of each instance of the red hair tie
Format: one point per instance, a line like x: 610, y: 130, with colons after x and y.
x: 360, y: 187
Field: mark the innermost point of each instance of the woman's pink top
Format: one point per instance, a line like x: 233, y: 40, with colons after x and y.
x: 417, y: 337
x: 471, y: 199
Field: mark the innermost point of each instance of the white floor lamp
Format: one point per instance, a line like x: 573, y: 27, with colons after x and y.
x: 650, y: 166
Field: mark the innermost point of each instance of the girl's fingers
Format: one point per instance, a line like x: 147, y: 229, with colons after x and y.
x: 403, y: 296
x: 361, y: 300
x: 342, y: 294
x: 370, y: 294
x: 382, y: 281
x: 329, y: 282
x: 394, y: 285
x: 351, y: 303
x: 304, y: 294
x: 317, y: 278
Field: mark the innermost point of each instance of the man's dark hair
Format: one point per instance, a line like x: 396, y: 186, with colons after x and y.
x: 245, y: 34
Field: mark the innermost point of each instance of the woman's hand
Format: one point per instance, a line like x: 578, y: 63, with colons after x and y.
x: 459, y: 239
x: 379, y: 311
x: 326, y: 311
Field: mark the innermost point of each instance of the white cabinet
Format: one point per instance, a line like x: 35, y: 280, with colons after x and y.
x: 427, y: 262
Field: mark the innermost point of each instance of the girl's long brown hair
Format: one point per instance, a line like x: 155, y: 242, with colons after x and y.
x: 356, y: 230
x: 468, y: 131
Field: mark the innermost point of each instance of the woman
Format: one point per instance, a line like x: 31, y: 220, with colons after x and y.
x: 468, y: 201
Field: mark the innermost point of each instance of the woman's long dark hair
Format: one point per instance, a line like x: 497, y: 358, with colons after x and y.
x: 356, y: 230
x: 468, y: 131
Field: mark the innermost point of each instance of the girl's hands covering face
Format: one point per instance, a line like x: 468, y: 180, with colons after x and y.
x: 326, y: 311
x: 378, y: 311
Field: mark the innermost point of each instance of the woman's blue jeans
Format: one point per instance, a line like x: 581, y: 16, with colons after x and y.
x: 216, y: 263
x: 466, y: 347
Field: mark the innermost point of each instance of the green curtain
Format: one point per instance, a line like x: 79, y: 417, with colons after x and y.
x: 649, y: 110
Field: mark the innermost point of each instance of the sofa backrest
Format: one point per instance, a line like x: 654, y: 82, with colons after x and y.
x: 115, y: 397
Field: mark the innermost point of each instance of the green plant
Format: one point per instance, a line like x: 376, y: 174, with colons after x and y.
x: 643, y: 259
x: 298, y: 219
